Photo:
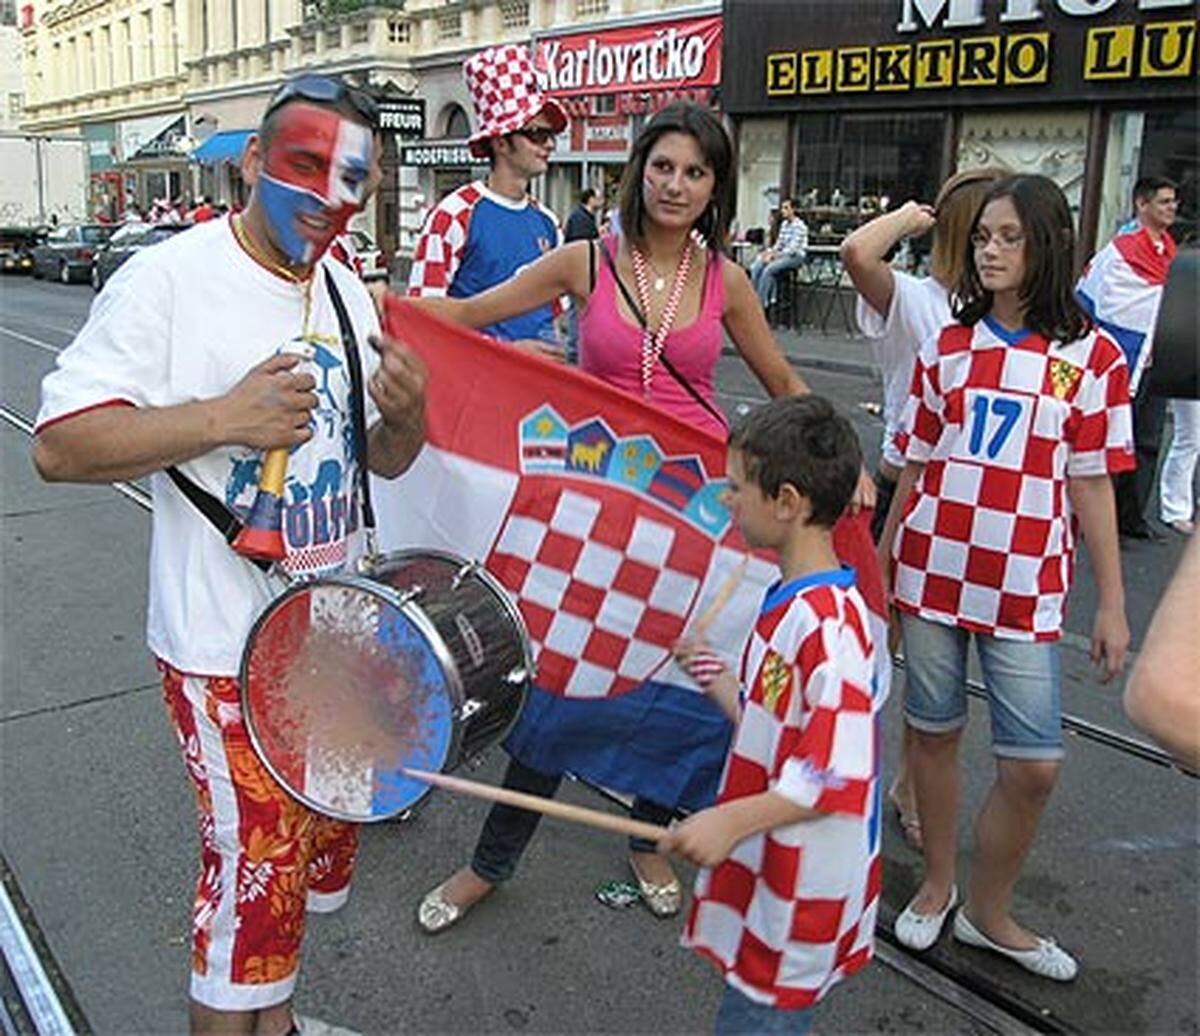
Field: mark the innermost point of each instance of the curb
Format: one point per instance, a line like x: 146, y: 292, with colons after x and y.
x: 857, y: 370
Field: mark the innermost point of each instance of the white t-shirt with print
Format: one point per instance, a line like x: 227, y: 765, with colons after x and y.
x: 920, y: 309
x: 185, y: 321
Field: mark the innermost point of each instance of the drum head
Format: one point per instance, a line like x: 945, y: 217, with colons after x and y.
x: 341, y: 688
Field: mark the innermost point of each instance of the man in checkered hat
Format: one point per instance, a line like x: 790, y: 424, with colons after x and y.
x: 483, y: 233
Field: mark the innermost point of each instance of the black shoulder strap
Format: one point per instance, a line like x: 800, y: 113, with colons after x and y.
x: 592, y: 267
x: 687, y: 386
x: 358, y: 413
x: 222, y: 518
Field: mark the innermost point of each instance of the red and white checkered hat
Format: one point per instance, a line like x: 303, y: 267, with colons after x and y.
x: 504, y: 90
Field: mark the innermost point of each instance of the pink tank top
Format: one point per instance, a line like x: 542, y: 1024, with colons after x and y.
x: 610, y: 346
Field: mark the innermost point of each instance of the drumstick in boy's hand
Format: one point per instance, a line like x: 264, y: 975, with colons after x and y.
x: 538, y: 804
x: 732, y: 582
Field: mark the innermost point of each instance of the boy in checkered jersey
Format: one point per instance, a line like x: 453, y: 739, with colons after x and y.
x: 1017, y: 418
x: 785, y: 905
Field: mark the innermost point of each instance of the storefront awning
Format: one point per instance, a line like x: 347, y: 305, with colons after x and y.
x: 226, y: 146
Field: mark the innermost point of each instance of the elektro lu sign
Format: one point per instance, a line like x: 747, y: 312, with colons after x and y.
x: 1164, y: 50
x: 912, y: 53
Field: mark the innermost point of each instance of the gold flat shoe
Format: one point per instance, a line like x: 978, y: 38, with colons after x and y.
x: 435, y: 913
x: 661, y: 900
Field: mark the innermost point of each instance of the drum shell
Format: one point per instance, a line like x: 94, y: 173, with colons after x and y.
x: 469, y: 610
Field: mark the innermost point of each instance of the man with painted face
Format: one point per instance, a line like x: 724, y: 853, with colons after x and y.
x: 200, y: 355
x: 483, y: 233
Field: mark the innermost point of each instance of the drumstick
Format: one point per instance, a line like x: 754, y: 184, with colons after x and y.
x: 549, y: 807
x: 732, y: 582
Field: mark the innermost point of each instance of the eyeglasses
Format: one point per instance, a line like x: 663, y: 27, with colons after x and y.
x: 325, y: 90
x: 539, y: 135
x: 1007, y: 242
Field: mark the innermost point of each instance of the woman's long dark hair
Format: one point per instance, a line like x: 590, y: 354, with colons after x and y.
x: 1048, y: 292
x: 706, y: 129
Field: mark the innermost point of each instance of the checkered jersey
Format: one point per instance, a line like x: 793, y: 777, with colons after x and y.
x: 605, y: 590
x: 986, y: 540
x: 440, y: 247
x: 792, y: 910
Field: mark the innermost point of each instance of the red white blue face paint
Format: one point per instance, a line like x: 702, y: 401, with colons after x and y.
x: 314, y: 178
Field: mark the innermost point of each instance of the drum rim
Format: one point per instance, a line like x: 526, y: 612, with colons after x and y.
x: 424, y: 626
x: 497, y: 588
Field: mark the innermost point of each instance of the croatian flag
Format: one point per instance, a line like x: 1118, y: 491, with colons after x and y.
x: 1121, y: 290
x: 602, y: 517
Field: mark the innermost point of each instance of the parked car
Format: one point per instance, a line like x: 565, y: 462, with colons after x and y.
x: 16, y: 248
x: 127, y: 242
x: 67, y: 252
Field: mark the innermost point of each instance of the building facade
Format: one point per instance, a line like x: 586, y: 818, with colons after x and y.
x: 855, y: 106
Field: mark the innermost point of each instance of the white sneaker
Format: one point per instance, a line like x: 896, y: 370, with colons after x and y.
x: 1047, y: 959
x: 920, y: 931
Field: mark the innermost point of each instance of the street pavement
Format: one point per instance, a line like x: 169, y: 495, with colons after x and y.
x: 98, y: 834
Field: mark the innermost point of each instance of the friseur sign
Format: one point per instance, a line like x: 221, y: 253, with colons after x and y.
x: 838, y: 54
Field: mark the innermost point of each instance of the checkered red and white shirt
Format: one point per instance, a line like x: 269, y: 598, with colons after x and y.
x: 1001, y: 420
x: 792, y: 910
x: 440, y: 247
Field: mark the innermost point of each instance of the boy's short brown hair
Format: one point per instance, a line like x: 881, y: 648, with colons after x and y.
x: 804, y: 441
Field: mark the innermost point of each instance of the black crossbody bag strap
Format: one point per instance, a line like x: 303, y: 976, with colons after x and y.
x: 670, y: 367
x: 358, y: 410
x: 229, y: 524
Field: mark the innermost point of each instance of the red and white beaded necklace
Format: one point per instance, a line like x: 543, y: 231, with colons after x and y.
x: 654, y: 342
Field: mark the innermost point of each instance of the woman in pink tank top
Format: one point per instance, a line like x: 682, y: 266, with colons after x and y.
x: 656, y: 303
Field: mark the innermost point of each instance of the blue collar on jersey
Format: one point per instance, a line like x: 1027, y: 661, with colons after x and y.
x: 781, y: 593
x: 1004, y: 334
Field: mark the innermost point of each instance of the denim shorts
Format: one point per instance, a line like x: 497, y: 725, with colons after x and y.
x: 738, y: 1015
x: 1023, y: 681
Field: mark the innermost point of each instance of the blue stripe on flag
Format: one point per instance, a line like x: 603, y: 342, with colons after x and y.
x: 664, y: 742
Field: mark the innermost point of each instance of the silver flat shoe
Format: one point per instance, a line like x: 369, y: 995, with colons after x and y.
x: 435, y: 913
x: 661, y: 900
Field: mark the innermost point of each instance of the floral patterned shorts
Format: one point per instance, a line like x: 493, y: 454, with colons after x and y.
x: 264, y: 858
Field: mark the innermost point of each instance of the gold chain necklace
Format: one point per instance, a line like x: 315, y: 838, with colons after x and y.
x: 243, y: 238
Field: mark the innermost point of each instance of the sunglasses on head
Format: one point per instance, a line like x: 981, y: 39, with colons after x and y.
x: 540, y: 135
x: 325, y: 90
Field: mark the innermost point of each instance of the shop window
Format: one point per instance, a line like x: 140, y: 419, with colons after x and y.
x: 604, y: 104
x: 587, y: 8
x: 399, y: 31
x: 458, y: 126
x: 449, y: 25
x: 514, y: 14
x: 850, y: 168
x: 1162, y: 142
x: 360, y: 33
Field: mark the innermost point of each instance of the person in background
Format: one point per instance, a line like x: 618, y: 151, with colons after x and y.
x: 1017, y: 419
x: 483, y: 233
x: 1163, y: 693
x: 898, y: 313
x: 791, y: 245
x: 675, y: 201
x: 581, y: 224
x: 1121, y: 290
x: 203, y: 211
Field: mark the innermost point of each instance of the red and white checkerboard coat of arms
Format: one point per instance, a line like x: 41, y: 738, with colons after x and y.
x: 605, y: 578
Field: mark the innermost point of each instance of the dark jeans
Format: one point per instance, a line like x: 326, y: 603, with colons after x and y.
x: 508, y: 829
x: 885, y: 489
x: 738, y: 1015
x: 1133, y: 488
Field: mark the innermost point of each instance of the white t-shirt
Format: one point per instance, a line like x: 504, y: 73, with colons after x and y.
x: 920, y: 308
x: 185, y: 321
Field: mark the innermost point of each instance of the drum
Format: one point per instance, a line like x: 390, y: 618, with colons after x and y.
x: 422, y: 662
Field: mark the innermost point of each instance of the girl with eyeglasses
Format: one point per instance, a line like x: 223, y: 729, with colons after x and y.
x: 898, y: 312
x: 1017, y: 417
